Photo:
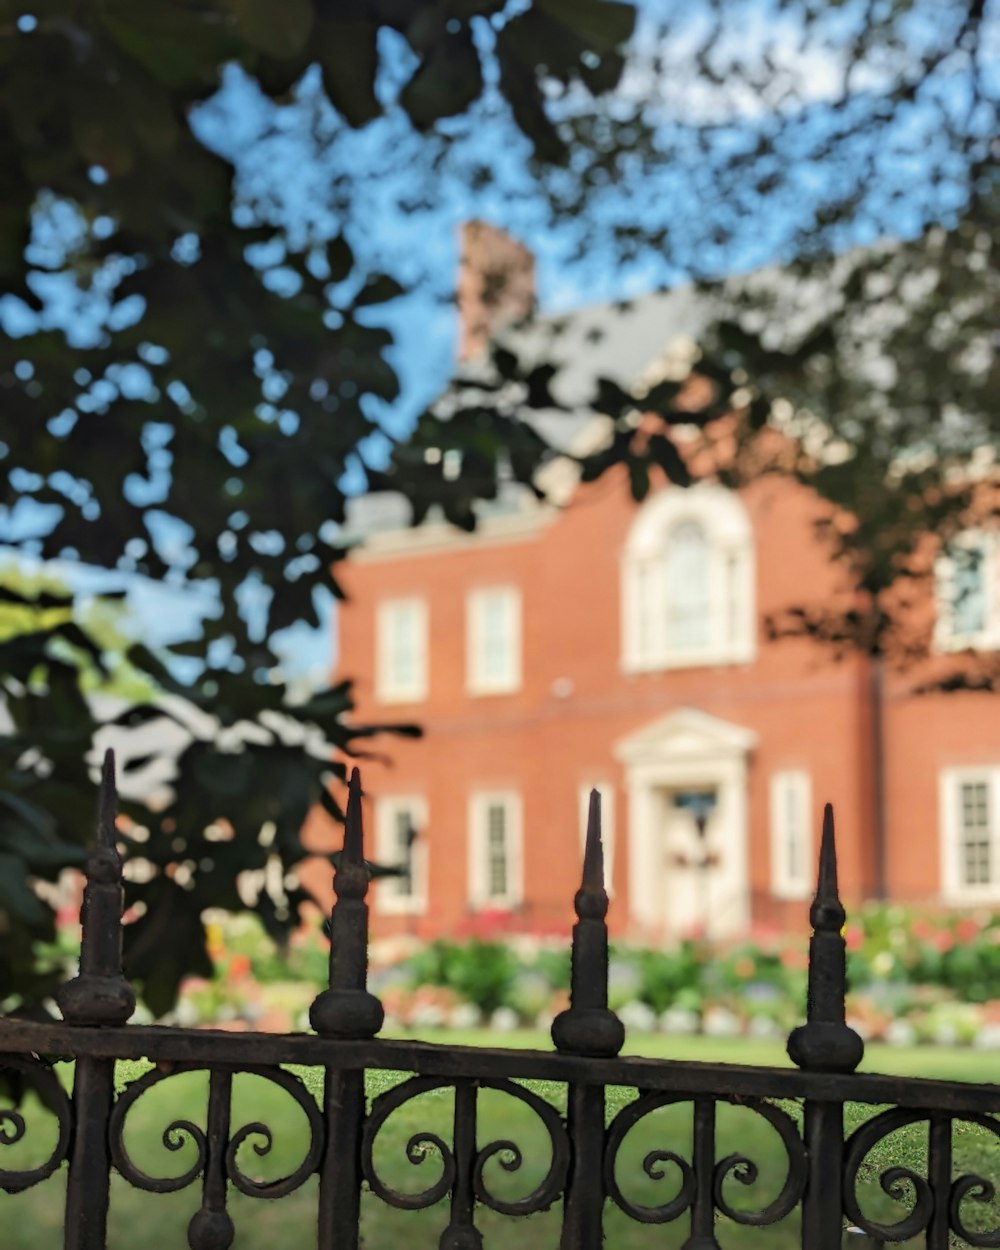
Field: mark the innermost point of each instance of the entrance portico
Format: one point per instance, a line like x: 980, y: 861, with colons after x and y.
x: 686, y: 780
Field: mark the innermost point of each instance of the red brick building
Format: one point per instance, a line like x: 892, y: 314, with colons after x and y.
x: 597, y: 642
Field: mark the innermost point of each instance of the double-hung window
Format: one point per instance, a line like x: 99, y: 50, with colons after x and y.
x: 494, y: 640
x: 793, y: 871
x: 401, y: 842
x: 970, y: 827
x: 401, y: 659
x: 495, y: 859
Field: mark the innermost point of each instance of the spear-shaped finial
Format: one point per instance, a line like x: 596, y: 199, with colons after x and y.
x: 347, y: 1009
x: 351, y: 875
x: 827, y: 911
x: 104, y: 863
x: 100, y: 994
x: 593, y: 851
x: 825, y: 1042
x: 353, y: 832
x: 107, y: 801
x: 587, y: 1026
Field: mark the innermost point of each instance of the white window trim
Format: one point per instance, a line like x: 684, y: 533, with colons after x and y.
x: 387, y: 901
x: 953, y: 889
x: 387, y: 690
x: 783, y: 884
x: 479, y: 803
x: 946, y: 636
x: 721, y: 514
x: 606, y: 789
x: 477, y: 681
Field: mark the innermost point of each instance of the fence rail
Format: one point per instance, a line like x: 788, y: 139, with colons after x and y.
x: 587, y: 1154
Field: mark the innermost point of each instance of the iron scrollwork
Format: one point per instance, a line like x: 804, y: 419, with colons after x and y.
x: 181, y: 1131
x: 744, y: 1170
x: 506, y: 1151
x: 739, y: 1167
x: 14, y: 1126
x: 652, y: 1164
x: 926, y: 1197
x: 509, y: 1155
x: 286, y: 1184
x: 418, y: 1148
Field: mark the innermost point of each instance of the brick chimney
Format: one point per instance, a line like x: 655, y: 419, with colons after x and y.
x: 496, y: 285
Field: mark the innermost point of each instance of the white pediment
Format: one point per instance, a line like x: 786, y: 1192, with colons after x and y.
x: 686, y: 734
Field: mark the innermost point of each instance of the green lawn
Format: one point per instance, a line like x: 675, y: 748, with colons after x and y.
x: 946, y: 1063
x: 32, y: 1221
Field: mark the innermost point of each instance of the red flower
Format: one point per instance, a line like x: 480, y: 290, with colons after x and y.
x: 854, y: 937
x: 967, y: 929
x: 794, y: 957
x: 239, y: 966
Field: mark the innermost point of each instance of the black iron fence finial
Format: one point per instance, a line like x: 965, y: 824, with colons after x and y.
x: 587, y: 1026
x: 826, y: 1042
x: 100, y: 994
x: 347, y: 1009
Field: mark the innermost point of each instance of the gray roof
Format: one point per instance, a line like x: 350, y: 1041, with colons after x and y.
x: 615, y: 340
x: 623, y: 340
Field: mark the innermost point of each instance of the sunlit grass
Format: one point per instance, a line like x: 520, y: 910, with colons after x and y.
x: 33, y: 1221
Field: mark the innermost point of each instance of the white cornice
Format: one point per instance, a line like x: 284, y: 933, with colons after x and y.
x: 439, y: 536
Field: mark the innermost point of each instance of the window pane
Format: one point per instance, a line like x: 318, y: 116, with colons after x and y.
x: 968, y: 603
x: 496, y: 850
x: 976, y: 851
x: 403, y: 850
x: 688, y: 595
x: 734, y: 605
x: 404, y: 646
x: 496, y: 637
x: 791, y: 838
x: 402, y: 649
x: 793, y: 832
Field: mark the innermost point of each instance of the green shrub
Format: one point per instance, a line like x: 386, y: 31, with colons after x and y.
x: 672, y: 977
x: 479, y: 972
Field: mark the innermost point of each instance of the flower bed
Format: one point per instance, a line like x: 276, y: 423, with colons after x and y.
x: 912, y: 977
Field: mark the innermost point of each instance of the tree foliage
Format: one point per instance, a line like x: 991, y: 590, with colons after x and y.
x: 187, y: 384
x: 180, y: 406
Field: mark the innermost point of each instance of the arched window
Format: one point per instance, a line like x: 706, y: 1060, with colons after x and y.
x: 687, y: 590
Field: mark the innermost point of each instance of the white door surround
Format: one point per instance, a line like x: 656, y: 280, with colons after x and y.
x: 687, y: 750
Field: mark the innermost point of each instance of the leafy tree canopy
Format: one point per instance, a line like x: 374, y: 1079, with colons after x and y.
x: 195, y: 366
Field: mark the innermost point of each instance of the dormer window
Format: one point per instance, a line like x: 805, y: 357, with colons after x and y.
x: 688, y: 581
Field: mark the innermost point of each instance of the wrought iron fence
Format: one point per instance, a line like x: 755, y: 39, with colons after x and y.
x: 804, y: 1106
